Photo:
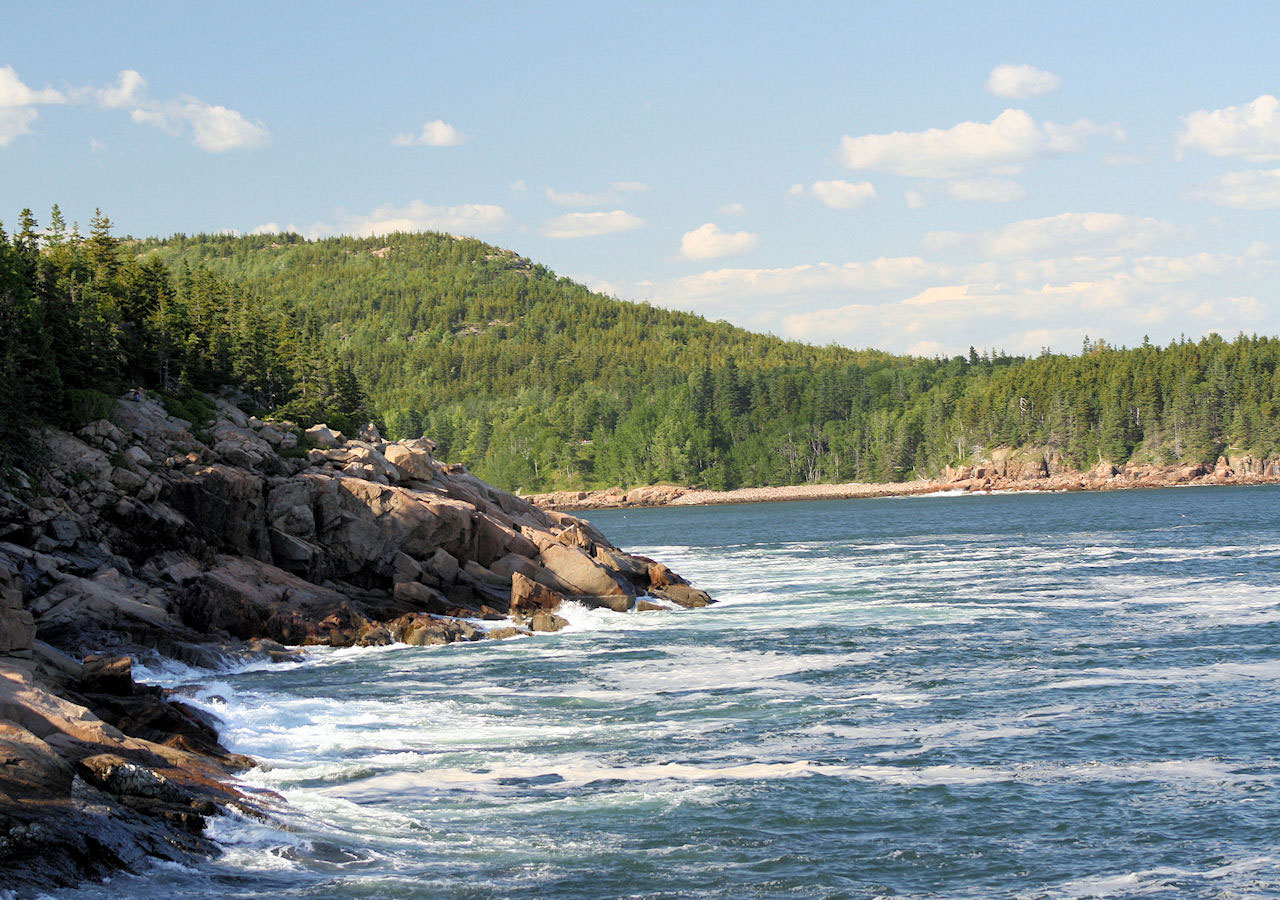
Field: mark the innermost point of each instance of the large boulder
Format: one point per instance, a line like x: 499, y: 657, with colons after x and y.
x: 17, y: 626
x: 529, y: 597
x: 572, y: 572
x: 413, y: 462
x: 247, y: 599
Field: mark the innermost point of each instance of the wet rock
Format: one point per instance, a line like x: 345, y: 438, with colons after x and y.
x: 528, y: 596
x: 542, y: 620
x: 107, y: 675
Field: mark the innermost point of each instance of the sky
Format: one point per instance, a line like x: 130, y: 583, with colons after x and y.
x: 914, y: 177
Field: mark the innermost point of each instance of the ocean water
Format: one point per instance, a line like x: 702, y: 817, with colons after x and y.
x: 1050, y: 695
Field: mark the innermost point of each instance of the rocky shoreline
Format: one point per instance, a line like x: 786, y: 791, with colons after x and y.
x: 1004, y: 472
x: 137, y: 540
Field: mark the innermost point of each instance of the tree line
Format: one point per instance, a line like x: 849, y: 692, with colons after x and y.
x: 537, y: 383
x: 84, y: 318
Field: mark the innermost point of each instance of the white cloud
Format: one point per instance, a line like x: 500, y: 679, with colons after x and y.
x: 1074, y: 138
x: 267, y: 228
x: 1249, y: 189
x: 128, y: 91
x: 915, y: 199
x: 733, y: 209
x: 843, y: 194
x: 435, y: 133
x: 1251, y: 131
x: 579, y: 198
x: 1058, y: 235
x: 519, y: 187
x: 709, y: 242
x: 582, y: 198
x: 590, y: 224
x: 986, y: 190
x: 732, y: 285
x: 96, y: 146
x: 1021, y: 81
x: 214, y: 128
x: 467, y: 218
x: 1002, y: 146
x: 18, y: 104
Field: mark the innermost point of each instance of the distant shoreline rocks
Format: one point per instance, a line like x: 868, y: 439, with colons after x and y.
x: 1004, y: 472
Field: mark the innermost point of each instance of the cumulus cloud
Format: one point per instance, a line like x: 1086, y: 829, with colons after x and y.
x: 733, y: 209
x: 839, y: 194
x: 214, y: 128
x: 1021, y: 81
x: 731, y: 285
x: 986, y: 190
x: 590, y: 224
x: 18, y: 104
x: 1028, y: 285
x: 1024, y: 318
x: 1249, y: 189
x: 129, y: 89
x: 1058, y: 235
x: 1001, y: 146
x: 709, y: 242
x: 583, y: 198
x: 467, y: 218
x: 1251, y: 131
x: 436, y: 133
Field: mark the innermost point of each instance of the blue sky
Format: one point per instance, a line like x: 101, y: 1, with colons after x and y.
x: 915, y: 177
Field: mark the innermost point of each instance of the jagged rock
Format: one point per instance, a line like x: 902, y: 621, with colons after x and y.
x: 107, y: 602
x: 572, y: 572
x: 247, y: 598
x: 422, y: 598
x: 542, y: 620
x: 528, y: 596
x: 323, y: 437
x: 107, y: 675
x: 413, y: 462
x: 17, y: 626
x: 508, y: 565
x: 682, y: 594
x: 444, y: 565
x: 421, y: 630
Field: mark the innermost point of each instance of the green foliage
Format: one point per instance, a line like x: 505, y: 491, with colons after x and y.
x: 537, y: 383
x: 85, y: 406
x: 85, y: 320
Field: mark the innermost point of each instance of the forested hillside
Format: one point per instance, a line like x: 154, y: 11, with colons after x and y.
x: 537, y: 383
x: 83, y: 319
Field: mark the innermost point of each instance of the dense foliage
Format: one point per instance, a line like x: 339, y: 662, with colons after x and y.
x: 85, y: 319
x: 536, y: 382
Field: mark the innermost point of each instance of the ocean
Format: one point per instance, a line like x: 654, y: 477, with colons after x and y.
x: 1026, y: 695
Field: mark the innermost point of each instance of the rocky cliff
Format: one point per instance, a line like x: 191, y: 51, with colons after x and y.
x: 136, y: 539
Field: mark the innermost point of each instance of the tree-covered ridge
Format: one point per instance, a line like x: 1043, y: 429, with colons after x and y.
x: 538, y: 383
x: 83, y: 319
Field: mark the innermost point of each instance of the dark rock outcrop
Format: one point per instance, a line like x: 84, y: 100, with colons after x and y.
x: 136, y: 539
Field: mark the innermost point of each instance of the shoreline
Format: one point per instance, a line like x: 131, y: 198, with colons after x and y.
x: 975, y: 482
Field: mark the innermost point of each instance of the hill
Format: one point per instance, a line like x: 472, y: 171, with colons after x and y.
x: 537, y: 383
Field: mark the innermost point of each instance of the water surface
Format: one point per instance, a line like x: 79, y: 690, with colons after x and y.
x: 1053, y: 695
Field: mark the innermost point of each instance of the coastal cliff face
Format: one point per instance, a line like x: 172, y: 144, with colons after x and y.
x: 139, y: 540
x: 1004, y: 469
